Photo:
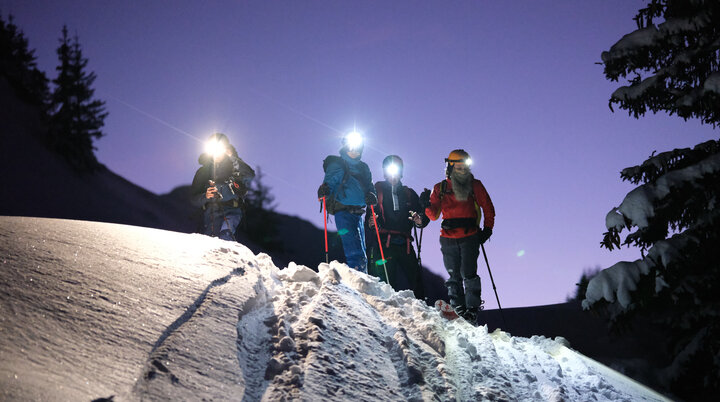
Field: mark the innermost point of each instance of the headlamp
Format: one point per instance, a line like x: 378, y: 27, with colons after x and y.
x: 354, y: 141
x: 215, y: 148
x: 467, y: 161
x: 392, y: 170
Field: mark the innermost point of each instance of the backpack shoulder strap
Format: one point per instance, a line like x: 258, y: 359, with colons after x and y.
x: 408, y: 193
x: 443, y: 189
x: 478, y: 211
x: 380, y: 196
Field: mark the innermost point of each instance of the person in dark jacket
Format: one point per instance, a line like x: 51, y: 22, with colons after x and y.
x: 348, y: 189
x: 398, y: 212
x: 219, y: 187
x: 463, y: 201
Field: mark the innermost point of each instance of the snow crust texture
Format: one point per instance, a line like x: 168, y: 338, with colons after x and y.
x: 92, y: 310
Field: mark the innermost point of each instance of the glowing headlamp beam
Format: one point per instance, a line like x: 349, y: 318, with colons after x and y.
x: 392, y: 170
x: 215, y: 148
x: 354, y: 140
x: 467, y: 161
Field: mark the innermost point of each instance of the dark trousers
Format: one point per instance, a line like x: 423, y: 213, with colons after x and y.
x: 402, y: 268
x: 460, y: 258
x: 221, y: 221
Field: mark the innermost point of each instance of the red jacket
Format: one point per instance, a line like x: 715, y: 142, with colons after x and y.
x: 451, y: 208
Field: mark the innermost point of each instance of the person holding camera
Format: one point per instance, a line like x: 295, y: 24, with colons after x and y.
x: 219, y: 187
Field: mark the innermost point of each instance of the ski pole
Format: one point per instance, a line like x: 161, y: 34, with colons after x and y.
x: 418, y: 244
x: 493, y: 284
x: 327, y: 259
x: 382, y: 255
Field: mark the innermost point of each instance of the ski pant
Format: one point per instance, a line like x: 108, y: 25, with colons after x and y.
x: 460, y: 258
x: 402, y: 268
x: 221, y: 222
x: 352, y: 233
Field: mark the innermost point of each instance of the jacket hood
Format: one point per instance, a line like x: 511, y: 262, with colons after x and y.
x: 345, y: 156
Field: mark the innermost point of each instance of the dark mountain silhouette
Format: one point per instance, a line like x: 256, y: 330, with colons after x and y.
x: 38, y: 182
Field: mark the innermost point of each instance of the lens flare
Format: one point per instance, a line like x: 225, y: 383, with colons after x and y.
x: 215, y: 148
x: 392, y: 170
x: 354, y: 141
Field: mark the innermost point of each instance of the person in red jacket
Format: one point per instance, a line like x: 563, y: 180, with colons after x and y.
x: 463, y: 202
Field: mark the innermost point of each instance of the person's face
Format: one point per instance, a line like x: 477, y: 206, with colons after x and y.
x: 393, y: 180
x: 461, y: 168
x: 223, y: 155
x: 353, y: 154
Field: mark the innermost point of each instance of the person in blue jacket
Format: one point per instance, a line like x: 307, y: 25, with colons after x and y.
x: 348, y: 189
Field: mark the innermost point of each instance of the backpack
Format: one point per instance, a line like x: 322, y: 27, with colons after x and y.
x: 331, y: 203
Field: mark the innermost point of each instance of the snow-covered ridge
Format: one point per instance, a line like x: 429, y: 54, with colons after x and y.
x: 93, y: 310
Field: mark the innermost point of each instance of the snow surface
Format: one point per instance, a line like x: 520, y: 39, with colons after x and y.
x: 93, y: 310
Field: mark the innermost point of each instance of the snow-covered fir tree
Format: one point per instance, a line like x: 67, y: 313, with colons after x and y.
x: 672, y: 64
x: 76, y: 118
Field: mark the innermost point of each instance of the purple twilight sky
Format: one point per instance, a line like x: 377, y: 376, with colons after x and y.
x: 515, y: 83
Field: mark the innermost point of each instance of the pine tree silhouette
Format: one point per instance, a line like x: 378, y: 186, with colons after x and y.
x: 18, y: 65
x: 76, y: 118
x: 260, y: 221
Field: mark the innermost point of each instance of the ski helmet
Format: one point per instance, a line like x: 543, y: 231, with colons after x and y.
x: 457, y: 155
x: 393, y: 166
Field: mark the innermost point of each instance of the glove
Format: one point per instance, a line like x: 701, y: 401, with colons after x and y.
x: 484, y: 235
x: 424, y: 199
x: 323, y: 190
x: 370, y: 199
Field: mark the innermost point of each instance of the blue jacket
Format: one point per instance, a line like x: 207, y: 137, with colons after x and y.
x: 357, y: 184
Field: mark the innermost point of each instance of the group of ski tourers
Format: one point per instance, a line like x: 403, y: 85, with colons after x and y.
x: 381, y: 243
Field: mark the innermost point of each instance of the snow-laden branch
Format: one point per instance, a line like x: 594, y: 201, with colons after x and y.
x: 619, y: 281
x: 638, y: 207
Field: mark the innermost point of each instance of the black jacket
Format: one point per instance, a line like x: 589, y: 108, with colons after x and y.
x: 392, y: 222
x: 230, y: 172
